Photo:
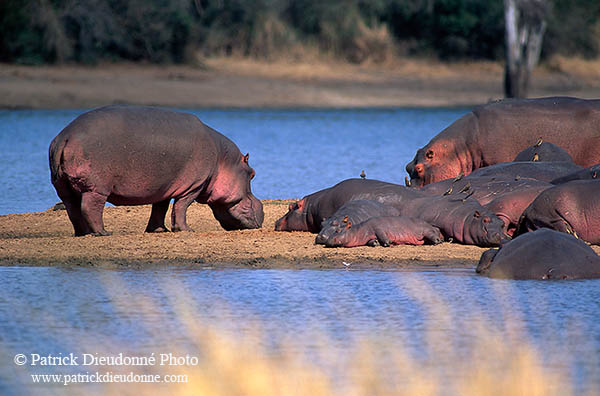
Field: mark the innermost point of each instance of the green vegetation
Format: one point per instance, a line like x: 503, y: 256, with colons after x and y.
x: 172, y: 31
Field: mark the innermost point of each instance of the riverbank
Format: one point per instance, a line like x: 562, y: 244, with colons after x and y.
x: 45, y: 239
x: 231, y: 82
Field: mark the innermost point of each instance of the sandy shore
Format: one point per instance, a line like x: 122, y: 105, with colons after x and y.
x: 45, y: 239
x: 247, y: 83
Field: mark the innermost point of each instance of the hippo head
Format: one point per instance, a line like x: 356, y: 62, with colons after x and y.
x: 231, y: 199
x: 295, y: 219
x: 434, y: 162
x: 332, y: 229
x: 483, y: 229
x: 485, y: 261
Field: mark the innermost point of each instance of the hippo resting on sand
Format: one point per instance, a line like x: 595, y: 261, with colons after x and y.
x: 386, y: 231
x: 498, y: 131
x: 461, y: 218
x: 585, y: 174
x: 142, y: 155
x: 485, y: 188
x: 543, y: 254
x: 510, y: 205
x: 309, y: 213
x: 572, y: 207
x: 352, y: 212
x: 543, y: 152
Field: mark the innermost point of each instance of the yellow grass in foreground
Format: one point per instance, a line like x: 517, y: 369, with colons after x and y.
x: 497, y: 362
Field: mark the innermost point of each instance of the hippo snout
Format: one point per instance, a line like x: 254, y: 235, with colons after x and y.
x: 495, y: 238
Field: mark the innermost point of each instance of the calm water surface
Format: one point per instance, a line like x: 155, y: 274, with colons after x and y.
x: 294, y: 152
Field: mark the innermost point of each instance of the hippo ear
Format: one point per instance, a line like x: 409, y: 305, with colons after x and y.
x: 429, y: 154
x: 300, y: 204
x: 246, y: 157
x: 477, y: 214
x: 292, y: 207
x: 345, y: 219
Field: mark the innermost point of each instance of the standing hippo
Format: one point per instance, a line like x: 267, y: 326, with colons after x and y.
x: 572, y: 207
x: 498, y: 131
x: 543, y: 152
x: 309, y: 213
x: 585, y: 174
x: 462, y: 219
x: 386, y: 231
x: 353, y: 212
x: 543, y: 254
x: 142, y: 155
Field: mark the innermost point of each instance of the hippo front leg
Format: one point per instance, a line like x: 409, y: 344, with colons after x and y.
x: 157, y: 217
x: 92, y: 207
x: 178, y: 214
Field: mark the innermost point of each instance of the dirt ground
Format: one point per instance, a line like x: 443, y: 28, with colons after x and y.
x: 229, y: 82
x: 45, y: 239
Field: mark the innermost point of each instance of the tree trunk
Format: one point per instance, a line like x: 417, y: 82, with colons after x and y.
x: 525, y: 25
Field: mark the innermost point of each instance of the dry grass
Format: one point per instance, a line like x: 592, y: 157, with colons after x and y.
x: 499, y: 362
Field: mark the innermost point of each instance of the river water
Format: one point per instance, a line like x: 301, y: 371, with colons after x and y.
x: 294, y: 152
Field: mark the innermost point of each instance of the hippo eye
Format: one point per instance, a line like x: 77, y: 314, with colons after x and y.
x: 429, y: 154
x: 476, y: 214
x: 252, y: 174
x: 486, y: 219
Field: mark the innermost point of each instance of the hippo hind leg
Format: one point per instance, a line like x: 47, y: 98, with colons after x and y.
x: 72, y: 201
x: 157, y: 217
x: 92, y: 207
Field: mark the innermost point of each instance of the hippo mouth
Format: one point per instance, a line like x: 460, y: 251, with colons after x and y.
x: 246, y: 214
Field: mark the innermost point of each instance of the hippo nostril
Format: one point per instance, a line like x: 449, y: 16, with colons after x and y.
x: 495, y: 238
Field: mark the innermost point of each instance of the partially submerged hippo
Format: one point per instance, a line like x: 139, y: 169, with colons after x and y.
x: 543, y: 254
x: 593, y: 172
x: 462, y: 219
x: 571, y: 207
x: 353, y: 212
x: 543, y: 152
x: 309, y: 213
x: 386, y: 231
x: 498, y: 131
x: 142, y: 155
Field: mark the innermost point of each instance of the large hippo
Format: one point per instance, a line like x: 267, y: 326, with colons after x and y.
x: 591, y: 172
x: 571, y: 207
x: 309, y: 213
x: 142, y: 155
x: 353, y: 212
x: 543, y: 152
x: 498, y: 131
x: 462, y: 219
x: 543, y: 254
x: 386, y: 231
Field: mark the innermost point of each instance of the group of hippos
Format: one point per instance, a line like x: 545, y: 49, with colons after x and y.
x: 520, y: 175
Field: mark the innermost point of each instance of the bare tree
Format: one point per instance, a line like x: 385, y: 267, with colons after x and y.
x: 525, y: 24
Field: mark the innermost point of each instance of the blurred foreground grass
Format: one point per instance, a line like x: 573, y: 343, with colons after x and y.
x: 496, y: 361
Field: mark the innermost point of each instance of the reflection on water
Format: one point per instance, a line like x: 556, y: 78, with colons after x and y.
x: 49, y: 310
x: 294, y: 152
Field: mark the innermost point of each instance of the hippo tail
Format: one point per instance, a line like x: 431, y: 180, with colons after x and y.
x: 56, y: 158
